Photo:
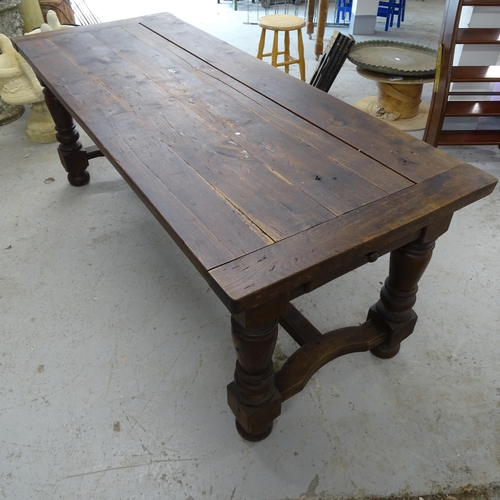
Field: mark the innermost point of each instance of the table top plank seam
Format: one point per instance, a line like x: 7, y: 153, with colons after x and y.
x: 167, y: 202
x: 98, y: 133
x: 277, y: 102
x: 314, y: 223
x: 319, y: 236
x: 329, y: 115
x: 249, y: 222
x: 327, y: 207
x: 409, y: 176
x: 163, y: 90
x: 278, y: 121
x: 403, y: 159
x: 290, y: 263
x: 333, y: 167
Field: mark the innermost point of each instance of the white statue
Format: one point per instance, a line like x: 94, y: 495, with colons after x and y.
x: 18, y: 86
x: 18, y: 83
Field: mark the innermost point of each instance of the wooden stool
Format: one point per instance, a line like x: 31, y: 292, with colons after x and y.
x: 286, y: 23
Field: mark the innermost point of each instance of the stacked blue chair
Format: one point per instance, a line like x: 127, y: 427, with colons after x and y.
x: 344, y: 7
x: 390, y: 9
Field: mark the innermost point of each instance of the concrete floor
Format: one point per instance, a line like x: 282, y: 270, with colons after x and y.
x: 115, y: 352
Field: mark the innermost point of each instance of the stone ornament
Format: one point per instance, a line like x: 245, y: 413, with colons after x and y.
x: 31, y: 13
x: 18, y: 86
x: 11, y: 24
x: 52, y: 24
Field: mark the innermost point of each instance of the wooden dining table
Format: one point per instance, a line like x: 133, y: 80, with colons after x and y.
x: 271, y: 187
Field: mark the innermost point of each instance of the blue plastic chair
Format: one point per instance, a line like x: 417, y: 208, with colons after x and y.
x: 390, y: 9
x: 344, y: 7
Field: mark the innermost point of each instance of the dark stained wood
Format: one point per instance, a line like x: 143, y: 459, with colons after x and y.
x: 320, y: 181
x: 121, y: 135
x: 271, y: 187
x: 475, y: 93
x: 482, y: 3
x: 253, y: 396
x: 347, y: 158
x: 255, y: 124
x: 469, y: 137
x: 292, y: 263
x: 306, y: 361
x: 93, y: 152
x: 72, y: 154
x: 298, y: 326
x: 473, y: 108
x: 477, y: 102
x: 394, y: 311
x: 478, y: 35
x: 444, y: 64
x: 335, y: 117
x: 475, y: 74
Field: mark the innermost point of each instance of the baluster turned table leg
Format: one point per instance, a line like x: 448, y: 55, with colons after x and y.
x: 71, y: 152
x: 394, y: 311
x: 252, y: 396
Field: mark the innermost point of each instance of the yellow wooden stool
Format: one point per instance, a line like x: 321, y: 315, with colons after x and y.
x: 286, y: 23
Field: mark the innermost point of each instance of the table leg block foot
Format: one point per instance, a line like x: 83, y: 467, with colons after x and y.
x: 80, y: 179
x: 254, y: 423
x: 385, y: 352
x: 256, y: 435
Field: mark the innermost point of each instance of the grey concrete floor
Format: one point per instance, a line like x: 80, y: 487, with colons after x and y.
x: 115, y: 353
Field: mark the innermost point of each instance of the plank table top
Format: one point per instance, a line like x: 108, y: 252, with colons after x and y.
x: 270, y: 186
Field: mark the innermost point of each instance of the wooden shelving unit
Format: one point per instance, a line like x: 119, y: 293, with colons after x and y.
x: 472, y: 103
